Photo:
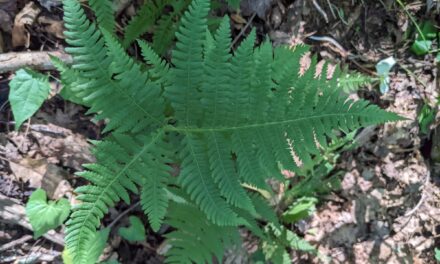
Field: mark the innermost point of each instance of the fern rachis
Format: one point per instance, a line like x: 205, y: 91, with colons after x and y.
x: 226, y: 119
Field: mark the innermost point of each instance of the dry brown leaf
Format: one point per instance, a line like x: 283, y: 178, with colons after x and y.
x: 52, y: 26
x: 27, y: 16
x: 29, y: 170
x: 238, y: 19
x: 52, y: 179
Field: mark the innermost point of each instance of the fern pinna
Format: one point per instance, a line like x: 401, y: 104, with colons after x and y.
x: 229, y: 120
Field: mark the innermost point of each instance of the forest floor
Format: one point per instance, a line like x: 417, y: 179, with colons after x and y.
x: 387, y: 209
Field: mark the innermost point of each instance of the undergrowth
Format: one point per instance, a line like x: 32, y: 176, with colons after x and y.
x: 231, y: 121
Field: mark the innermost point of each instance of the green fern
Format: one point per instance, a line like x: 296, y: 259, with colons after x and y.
x: 352, y: 81
x: 144, y: 19
x: 196, y: 240
x: 103, y: 10
x: 227, y: 119
x: 150, y: 18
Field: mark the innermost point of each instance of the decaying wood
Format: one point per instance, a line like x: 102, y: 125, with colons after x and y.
x: 15, y: 242
x: 38, y: 60
x: 11, y: 211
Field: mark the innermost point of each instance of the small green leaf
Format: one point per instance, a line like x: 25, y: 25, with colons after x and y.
x: 44, y: 215
x: 136, y: 231
x: 437, y: 254
x: 94, y: 247
x: 29, y: 89
x: 438, y: 57
x: 429, y: 31
x: 301, y: 209
x: 425, y: 118
x: 421, y: 47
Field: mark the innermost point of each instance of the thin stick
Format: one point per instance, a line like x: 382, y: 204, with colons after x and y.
x: 38, y: 60
x: 123, y: 214
x: 330, y: 5
x: 422, y: 199
x: 412, y: 19
x: 243, y: 30
x: 320, y: 10
x: 15, y: 242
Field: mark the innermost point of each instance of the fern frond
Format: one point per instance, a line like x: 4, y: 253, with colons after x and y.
x: 103, y: 10
x: 145, y: 94
x: 167, y: 26
x: 144, y: 19
x: 224, y: 174
x: 196, y: 179
x: 195, y: 239
x: 352, y: 81
x: 69, y: 79
x: 159, y: 68
x: 154, y: 198
x: 234, y: 120
x: 98, y: 61
x: 121, y: 162
x: 187, y: 58
x: 312, y: 111
x: 217, y: 85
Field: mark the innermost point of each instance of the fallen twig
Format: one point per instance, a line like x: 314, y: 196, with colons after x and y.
x: 15, y: 242
x: 123, y: 214
x: 320, y: 10
x: 243, y: 30
x: 422, y: 198
x: 38, y: 60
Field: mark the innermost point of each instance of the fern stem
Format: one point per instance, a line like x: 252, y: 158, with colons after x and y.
x: 260, y: 125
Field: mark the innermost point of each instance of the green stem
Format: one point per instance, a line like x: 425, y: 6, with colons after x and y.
x: 412, y: 19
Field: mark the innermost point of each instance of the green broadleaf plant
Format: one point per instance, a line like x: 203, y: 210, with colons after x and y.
x: 28, y: 91
x: 46, y: 215
x: 225, y: 120
x: 135, y: 232
x: 300, y: 209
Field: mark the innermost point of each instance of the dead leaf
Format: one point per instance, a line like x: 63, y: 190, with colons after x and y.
x: 52, y: 26
x: 63, y: 189
x: 27, y: 16
x: 238, y: 19
x: 62, y: 146
x: 29, y: 170
x: 52, y: 178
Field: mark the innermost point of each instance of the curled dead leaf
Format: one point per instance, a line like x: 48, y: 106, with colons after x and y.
x: 29, y: 170
x: 52, y: 26
x: 27, y: 16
